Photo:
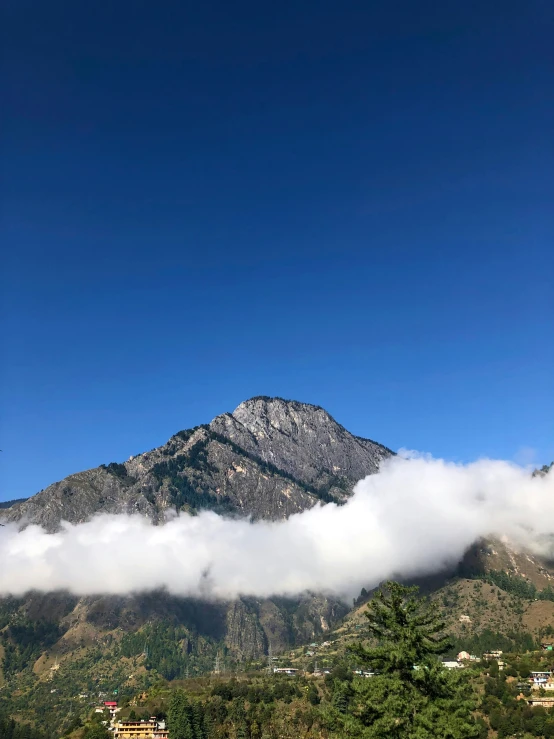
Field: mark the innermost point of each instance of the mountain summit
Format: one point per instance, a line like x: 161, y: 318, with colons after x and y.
x: 268, y: 459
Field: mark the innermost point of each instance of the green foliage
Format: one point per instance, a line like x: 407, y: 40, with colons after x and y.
x: 96, y: 732
x: 517, y: 586
x: 8, y: 608
x: 512, y: 584
x: 24, y: 641
x: 412, y: 697
x: 487, y: 640
x: 10, y: 729
x: 279, y: 688
x: 261, y: 708
x: 187, y: 433
x: 313, y: 695
x: 116, y: 469
x: 165, y: 645
x: 184, y: 490
x: 512, y: 717
x: 186, y: 719
x: 409, y: 630
x: 362, y: 598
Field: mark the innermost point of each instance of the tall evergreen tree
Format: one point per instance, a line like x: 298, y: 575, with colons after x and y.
x: 197, y: 721
x: 179, y: 717
x: 412, y: 696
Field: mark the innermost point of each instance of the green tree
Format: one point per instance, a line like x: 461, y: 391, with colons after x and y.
x: 179, y: 717
x: 197, y: 721
x: 96, y: 732
x: 313, y: 695
x: 413, y: 696
x: 10, y: 729
x: 493, y: 668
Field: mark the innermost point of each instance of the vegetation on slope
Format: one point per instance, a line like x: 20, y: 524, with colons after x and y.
x: 409, y: 696
x: 24, y: 641
x: 11, y: 729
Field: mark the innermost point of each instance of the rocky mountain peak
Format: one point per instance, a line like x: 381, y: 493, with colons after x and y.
x: 268, y: 459
x: 303, y: 440
x: 287, y: 416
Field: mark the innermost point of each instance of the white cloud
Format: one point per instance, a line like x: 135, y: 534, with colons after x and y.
x: 414, y: 516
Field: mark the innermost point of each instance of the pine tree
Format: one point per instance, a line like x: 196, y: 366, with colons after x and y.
x: 408, y: 630
x: 413, y: 696
x: 179, y: 717
x: 197, y: 721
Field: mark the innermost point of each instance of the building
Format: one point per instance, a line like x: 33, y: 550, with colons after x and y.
x: 540, y: 678
x: 293, y: 671
x: 111, y: 706
x: 451, y: 664
x: 493, y: 654
x: 151, y: 729
x: 467, y: 657
x: 546, y: 702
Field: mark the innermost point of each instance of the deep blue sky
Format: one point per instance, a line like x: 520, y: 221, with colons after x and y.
x: 347, y: 203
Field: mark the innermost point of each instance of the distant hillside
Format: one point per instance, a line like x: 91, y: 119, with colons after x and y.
x: 496, y: 598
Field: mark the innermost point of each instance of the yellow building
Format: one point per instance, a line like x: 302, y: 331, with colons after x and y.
x: 136, y: 729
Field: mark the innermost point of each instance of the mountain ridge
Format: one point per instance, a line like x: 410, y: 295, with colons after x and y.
x: 269, y: 458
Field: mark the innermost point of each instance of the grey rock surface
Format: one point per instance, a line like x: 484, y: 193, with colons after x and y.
x: 268, y: 459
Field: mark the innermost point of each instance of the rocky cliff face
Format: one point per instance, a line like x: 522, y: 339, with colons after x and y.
x: 267, y: 459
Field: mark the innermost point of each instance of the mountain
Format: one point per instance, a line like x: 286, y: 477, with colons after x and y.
x: 495, y: 598
x: 10, y: 503
x: 268, y: 459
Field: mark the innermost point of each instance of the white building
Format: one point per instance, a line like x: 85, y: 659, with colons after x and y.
x: 540, y: 678
x: 286, y: 671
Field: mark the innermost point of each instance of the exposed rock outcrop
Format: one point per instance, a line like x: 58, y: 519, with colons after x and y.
x: 267, y: 459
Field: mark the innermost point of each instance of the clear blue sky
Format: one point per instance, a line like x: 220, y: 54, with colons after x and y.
x: 346, y: 203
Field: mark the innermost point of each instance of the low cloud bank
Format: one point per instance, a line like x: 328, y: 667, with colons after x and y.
x: 412, y: 518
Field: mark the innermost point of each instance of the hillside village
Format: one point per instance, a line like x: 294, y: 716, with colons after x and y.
x: 535, y: 689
